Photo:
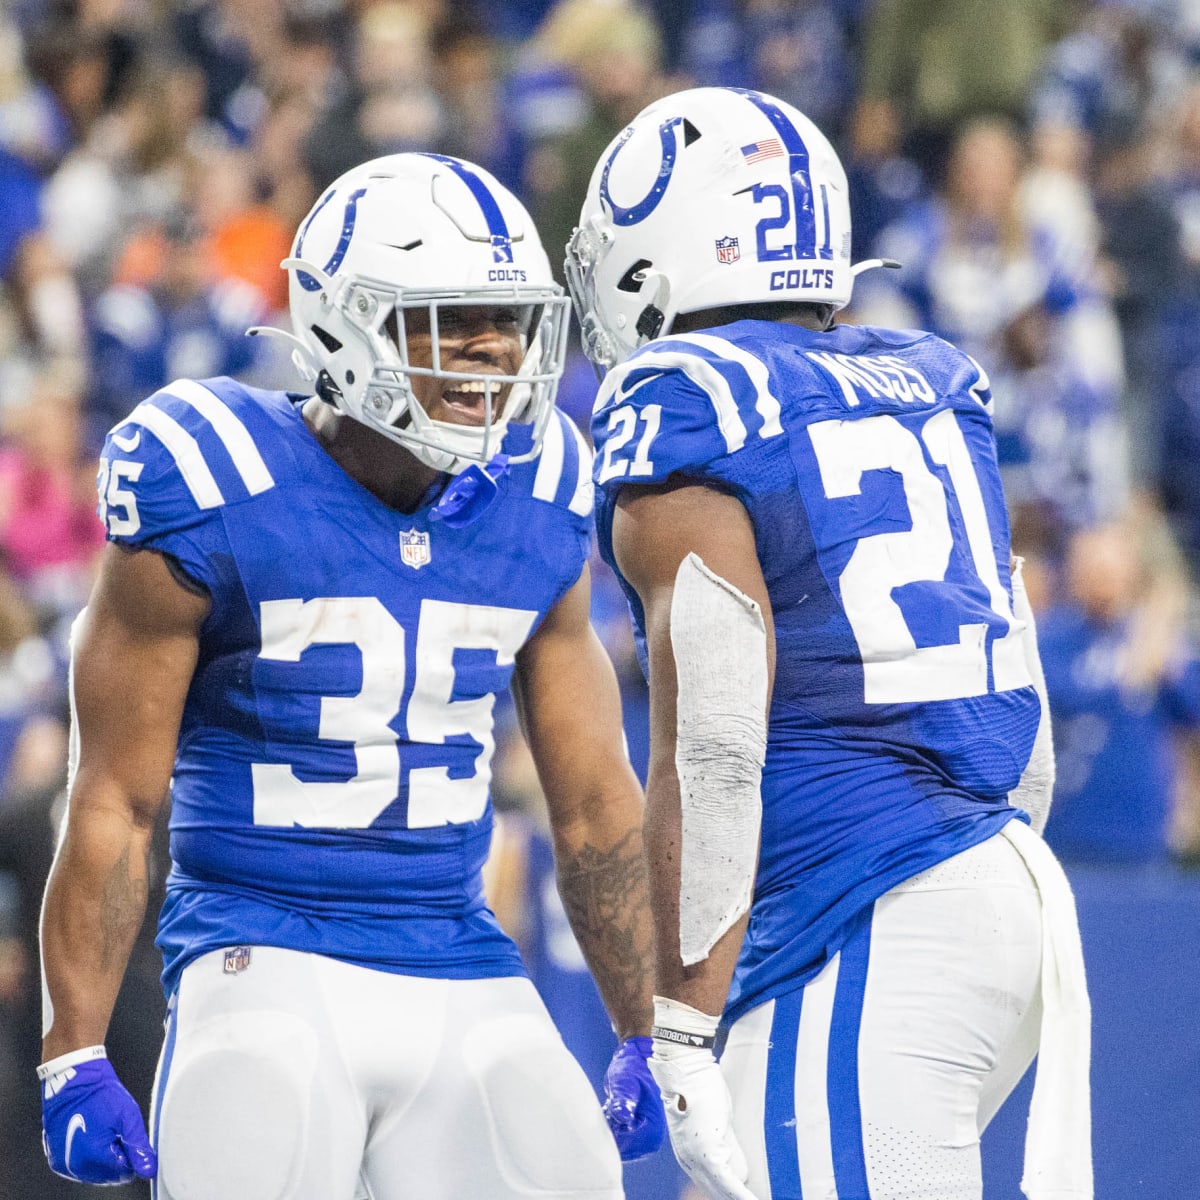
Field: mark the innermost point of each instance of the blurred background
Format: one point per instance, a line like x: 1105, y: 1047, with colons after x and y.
x: 1034, y: 164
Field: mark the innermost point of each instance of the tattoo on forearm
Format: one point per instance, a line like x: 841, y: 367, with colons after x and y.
x: 604, y: 893
x: 121, y: 910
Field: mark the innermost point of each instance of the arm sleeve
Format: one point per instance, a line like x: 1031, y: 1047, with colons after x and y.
x: 667, y: 410
x: 156, y: 491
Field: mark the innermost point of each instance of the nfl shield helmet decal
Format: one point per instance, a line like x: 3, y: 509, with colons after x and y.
x: 414, y: 548
x: 727, y: 250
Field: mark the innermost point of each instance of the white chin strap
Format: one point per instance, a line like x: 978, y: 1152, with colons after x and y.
x: 721, y: 744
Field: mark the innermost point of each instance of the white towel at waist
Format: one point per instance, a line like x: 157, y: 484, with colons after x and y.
x: 1058, y: 1143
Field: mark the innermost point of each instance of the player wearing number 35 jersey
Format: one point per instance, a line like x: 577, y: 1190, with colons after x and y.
x: 808, y: 522
x: 308, y: 610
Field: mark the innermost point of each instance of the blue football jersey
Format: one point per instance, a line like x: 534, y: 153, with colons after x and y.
x: 331, y: 785
x: 903, y: 712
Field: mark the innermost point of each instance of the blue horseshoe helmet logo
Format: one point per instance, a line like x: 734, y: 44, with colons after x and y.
x: 649, y: 202
x: 349, y: 217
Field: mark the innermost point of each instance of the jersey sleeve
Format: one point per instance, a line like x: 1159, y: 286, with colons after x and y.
x: 563, y: 479
x: 679, y: 406
x: 168, y: 471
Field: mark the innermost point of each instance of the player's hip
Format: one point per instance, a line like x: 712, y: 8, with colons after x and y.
x: 424, y: 1086
x: 393, y: 939
x: 810, y: 898
x: 875, y: 1078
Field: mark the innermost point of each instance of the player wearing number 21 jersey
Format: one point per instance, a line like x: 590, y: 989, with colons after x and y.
x: 309, y: 607
x: 808, y: 522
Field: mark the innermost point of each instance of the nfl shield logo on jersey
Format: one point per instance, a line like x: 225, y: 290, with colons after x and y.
x: 727, y: 250
x: 237, y: 959
x: 414, y: 548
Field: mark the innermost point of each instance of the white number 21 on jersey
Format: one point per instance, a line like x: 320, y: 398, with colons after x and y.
x: 289, y: 627
x: 895, y: 669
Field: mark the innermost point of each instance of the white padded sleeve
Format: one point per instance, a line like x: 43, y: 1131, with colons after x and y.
x: 720, y: 646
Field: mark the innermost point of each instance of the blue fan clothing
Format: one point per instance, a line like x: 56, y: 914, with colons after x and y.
x: 141, y: 338
x: 902, y: 713
x: 331, y: 786
x: 20, y: 208
x: 1114, y: 744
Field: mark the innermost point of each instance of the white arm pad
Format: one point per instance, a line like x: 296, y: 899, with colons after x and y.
x: 1036, y: 786
x: 720, y: 646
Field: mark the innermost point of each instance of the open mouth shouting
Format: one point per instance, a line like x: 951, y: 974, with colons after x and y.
x: 465, y: 401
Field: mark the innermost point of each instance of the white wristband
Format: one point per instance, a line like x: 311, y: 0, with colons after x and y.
x: 71, y: 1059
x: 680, y: 1024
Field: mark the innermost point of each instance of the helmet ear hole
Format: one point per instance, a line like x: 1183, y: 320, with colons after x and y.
x: 633, y: 279
x: 326, y: 339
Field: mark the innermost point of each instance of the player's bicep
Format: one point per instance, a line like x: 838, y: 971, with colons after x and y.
x: 133, y: 654
x: 656, y: 528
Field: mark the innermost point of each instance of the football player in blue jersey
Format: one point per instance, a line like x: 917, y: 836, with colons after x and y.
x: 300, y: 630
x: 847, y: 720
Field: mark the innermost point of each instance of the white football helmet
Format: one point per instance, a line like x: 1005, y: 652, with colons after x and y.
x: 710, y: 197
x: 422, y: 231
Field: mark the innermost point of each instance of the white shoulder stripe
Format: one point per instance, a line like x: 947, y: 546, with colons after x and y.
x: 233, y: 434
x: 583, y: 499
x: 550, y: 461
x: 706, y: 377
x: 765, y: 401
x: 184, y: 450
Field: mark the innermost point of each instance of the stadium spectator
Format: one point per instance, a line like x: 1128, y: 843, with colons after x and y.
x: 172, y: 319
x: 134, y: 166
x: 970, y: 262
x: 1122, y: 680
x: 1121, y: 64
x: 979, y: 269
x: 387, y: 104
x: 49, y: 535
x: 613, y: 52
x: 1140, y: 256
x: 1178, y: 474
x: 466, y: 75
x: 44, y: 299
x: 930, y: 67
x: 246, y: 238
x: 885, y: 184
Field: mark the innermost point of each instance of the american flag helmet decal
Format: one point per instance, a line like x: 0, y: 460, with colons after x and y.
x: 763, y: 149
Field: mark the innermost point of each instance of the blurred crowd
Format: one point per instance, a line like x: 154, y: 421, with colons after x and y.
x: 1033, y: 164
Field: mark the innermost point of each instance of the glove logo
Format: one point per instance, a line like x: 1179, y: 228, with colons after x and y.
x: 59, y: 1080
x: 74, y: 1125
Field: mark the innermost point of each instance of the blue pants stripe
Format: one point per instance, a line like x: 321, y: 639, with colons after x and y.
x: 783, y: 1166
x: 845, y: 1113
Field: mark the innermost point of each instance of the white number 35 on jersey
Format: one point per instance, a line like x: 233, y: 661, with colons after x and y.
x: 289, y: 627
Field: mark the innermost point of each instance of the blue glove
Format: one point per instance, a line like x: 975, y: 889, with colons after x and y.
x: 632, y: 1106
x: 92, y: 1131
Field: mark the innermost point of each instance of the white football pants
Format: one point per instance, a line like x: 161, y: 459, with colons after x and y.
x: 875, y: 1080
x: 299, y: 1077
